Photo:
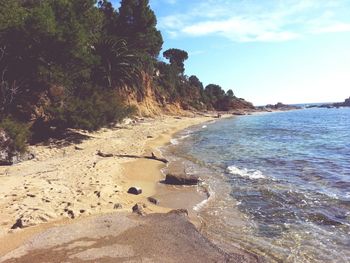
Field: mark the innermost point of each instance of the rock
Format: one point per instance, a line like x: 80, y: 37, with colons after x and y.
x: 70, y: 213
x: 176, y: 175
x: 181, y: 179
x: 99, y: 153
x: 180, y: 211
x: 78, y: 148
x: 134, y: 190
x: 117, y: 206
x: 238, y: 113
x: 18, y: 224
x: 322, y: 219
x: 280, y: 106
x: 153, y: 200
x: 150, y: 137
x: 139, y: 208
x: 346, y: 103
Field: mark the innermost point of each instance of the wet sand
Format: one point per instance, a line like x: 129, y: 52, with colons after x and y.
x: 121, y: 237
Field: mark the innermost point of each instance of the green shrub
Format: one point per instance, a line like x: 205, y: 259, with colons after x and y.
x: 18, y: 132
x: 91, y: 112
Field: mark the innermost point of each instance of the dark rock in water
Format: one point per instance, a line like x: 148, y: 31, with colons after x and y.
x: 7, y: 155
x: 181, y: 179
x: 346, y: 103
x: 322, y: 219
x: 134, y: 190
x: 280, y: 107
x: 139, y: 208
x: 176, y: 175
x: 153, y: 200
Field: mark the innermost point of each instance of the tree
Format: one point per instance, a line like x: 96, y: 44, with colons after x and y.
x: 176, y: 58
x: 119, y: 67
x: 137, y: 25
x: 110, y: 17
x: 214, y: 91
x: 230, y: 93
x: 194, y: 81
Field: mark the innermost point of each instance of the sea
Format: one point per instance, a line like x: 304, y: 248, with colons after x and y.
x: 278, y: 183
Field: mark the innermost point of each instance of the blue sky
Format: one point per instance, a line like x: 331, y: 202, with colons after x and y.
x: 266, y: 51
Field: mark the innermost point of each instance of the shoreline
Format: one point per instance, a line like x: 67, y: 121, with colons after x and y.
x: 130, y: 170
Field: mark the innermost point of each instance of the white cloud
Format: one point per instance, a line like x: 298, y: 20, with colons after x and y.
x: 240, y: 29
x: 333, y: 28
x: 259, y: 21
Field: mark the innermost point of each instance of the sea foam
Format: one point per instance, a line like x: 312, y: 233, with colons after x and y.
x: 174, y: 141
x: 244, y: 172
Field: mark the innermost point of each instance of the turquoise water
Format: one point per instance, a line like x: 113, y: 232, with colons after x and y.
x: 279, y: 183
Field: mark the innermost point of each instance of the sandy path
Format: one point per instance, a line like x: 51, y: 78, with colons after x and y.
x: 65, y: 183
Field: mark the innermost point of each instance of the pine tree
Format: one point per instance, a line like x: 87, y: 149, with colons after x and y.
x: 137, y: 24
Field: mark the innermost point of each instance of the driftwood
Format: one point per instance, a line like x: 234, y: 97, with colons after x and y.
x: 152, y: 157
x: 99, y: 153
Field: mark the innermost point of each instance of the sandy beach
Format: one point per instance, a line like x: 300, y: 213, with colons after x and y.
x: 66, y: 184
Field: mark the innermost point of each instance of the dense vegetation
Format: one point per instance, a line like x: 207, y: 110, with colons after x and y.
x: 72, y: 63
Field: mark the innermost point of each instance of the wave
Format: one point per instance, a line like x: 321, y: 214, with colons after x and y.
x: 210, y: 194
x: 244, y: 172
x: 176, y: 141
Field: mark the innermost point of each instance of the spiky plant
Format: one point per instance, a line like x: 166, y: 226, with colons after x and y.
x: 120, y: 68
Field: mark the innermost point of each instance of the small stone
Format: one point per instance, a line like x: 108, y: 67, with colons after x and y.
x: 71, y: 214
x: 153, y: 200
x: 78, y: 148
x: 135, y: 190
x: 117, y: 206
x: 138, y: 208
x: 18, y: 224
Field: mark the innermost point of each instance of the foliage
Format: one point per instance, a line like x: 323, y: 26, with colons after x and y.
x: 176, y: 58
x: 118, y: 66
x: 137, y: 24
x: 90, y: 111
x: 18, y: 133
x: 92, y: 51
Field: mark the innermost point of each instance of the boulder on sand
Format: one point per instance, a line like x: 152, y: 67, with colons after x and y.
x: 153, y: 200
x: 139, y: 209
x: 176, y: 175
x: 134, y: 190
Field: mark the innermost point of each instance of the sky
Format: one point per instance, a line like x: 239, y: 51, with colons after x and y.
x: 266, y: 51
